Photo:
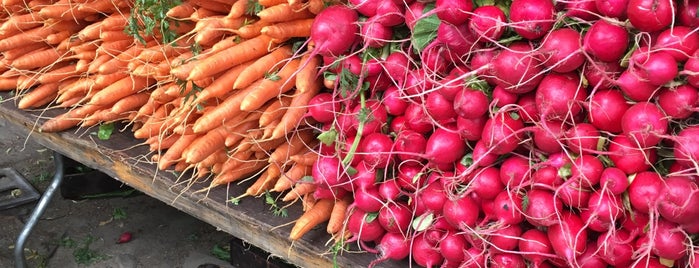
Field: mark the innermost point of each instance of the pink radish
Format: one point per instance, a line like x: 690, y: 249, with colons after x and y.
x: 658, y: 67
x: 461, y: 213
x: 586, y: 169
x: 568, y: 238
x: 439, y: 107
x: 612, y: 8
x: 559, y: 96
x: 424, y: 252
x: 581, y: 9
x: 562, y: 50
x: 605, y: 206
x: 507, y: 260
x: 668, y: 241
x: 679, y: 199
x: 679, y: 41
x: 629, y: 157
x: 452, y: 247
x: 615, y: 249
x: 486, y: 182
x: 470, y: 103
x: 650, y: 15
x: 535, y: 246
x: 680, y: 102
x: 454, y: 12
x: 515, y: 172
x: 687, y: 13
x: 470, y: 129
x: 547, y: 136
x: 613, y: 180
x: 334, y: 30
x: 516, y: 68
x: 606, y: 108
x: 444, y: 146
x: 635, y: 87
x: 583, y: 138
x: 505, y: 239
x: 686, y: 148
x: 409, y: 145
x: 488, y: 23
x: 501, y: 133
x: 645, y: 191
x: 395, y: 217
x: 323, y: 107
x: 507, y: 208
x: 542, y: 208
x: 645, y: 124
x: 376, y: 150
x: 363, y: 226
x: 606, y: 41
x: 393, y: 246
x: 532, y: 19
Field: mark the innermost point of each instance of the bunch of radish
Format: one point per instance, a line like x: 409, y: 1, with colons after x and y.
x: 513, y: 134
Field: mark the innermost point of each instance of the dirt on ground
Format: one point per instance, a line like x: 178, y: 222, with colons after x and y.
x: 85, y: 233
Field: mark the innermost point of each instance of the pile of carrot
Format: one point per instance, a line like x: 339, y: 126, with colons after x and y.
x: 226, y: 100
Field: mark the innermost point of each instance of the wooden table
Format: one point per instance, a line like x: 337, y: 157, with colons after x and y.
x: 251, y: 220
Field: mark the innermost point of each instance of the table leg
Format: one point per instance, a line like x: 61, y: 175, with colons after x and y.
x: 20, y: 261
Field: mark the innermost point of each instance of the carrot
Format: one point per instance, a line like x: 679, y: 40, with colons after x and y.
x: 181, y: 11
x: 319, y: 213
x: 234, y: 138
x: 299, y: 190
x: 183, y: 70
x: 130, y: 103
x: 174, y: 153
x: 274, y: 111
x: 265, y: 182
x: 17, y: 23
x: 269, y: 3
x: 308, y: 79
x: 238, y: 9
x: 206, y: 144
x: 69, y: 119
x: 15, y: 53
x: 101, y: 6
x: 289, y: 29
x: 75, y: 87
x: 262, y: 66
x: 114, y: 35
x: 245, y: 51
x: 252, y: 30
x: 217, y: 157
x: 103, y: 80
x: 338, y: 215
x: 123, y: 88
x: 223, y: 84
x: 243, y: 170
x: 114, y: 47
x: 234, y: 160
x: 283, y: 12
x: 57, y: 38
x: 203, y: 13
x: 94, y: 65
x: 58, y: 74
x: 291, y: 177
x: 37, y: 95
x: 272, y: 86
x: 8, y: 83
x: 295, y: 112
x: 296, y: 143
x: 120, y: 61
x: 158, y: 143
x: 223, y: 112
x: 316, y: 6
x: 218, y: 7
x: 62, y: 10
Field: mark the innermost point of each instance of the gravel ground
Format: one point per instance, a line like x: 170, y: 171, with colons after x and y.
x: 84, y: 233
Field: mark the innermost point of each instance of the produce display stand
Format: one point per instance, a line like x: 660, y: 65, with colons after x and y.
x: 251, y: 220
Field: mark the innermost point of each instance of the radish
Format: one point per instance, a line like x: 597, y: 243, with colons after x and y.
x: 433, y: 196
x: 482, y: 155
x: 543, y: 207
x: 502, y: 97
x: 461, y: 212
x: 581, y: 9
x: 410, y: 176
x: 686, y: 148
x: 376, y: 150
x: 606, y: 108
x: 439, y: 107
x: 375, y: 119
x: 559, y: 96
x: 668, y: 241
x: 456, y: 37
x: 389, y: 13
x: 389, y: 190
x: 393, y: 101
x: 615, y: 249
x: 568, y: 239
x: 488, y: 23
x: 527, y: 108
x: 583, y: 138
x: 606, y: 41
x: 562, y: 51
x: 505, y: 239
x: 634, y: 87
x: 644, y: 123
x: 327, y: 171
x: 535, y: 246
x: 605, y: 206
x: 680, y: 102
x: 532, y: 19
x: 364, y: 226
x: 375, y: 34
x: 515, y: 172
x: 452, y: 247
x: 593, y: 222
x: 470, y: 129
x: 691, y: 68
x: 368, y: 199
x: 365, y: 176
x: 650, y: 15
x: 424, y: 252
x: 434, y: 56
x: 547, y: 136
x: 613, y: 180
x: 335, y: 30
x: 507, y: 260
x: 645, y: 191
x: 612, y: 8
x: 397, y: 64
x: 590, y: 258
x: 417, y: 119
x: 409, y: 145
x: 501, y: 133
x: 687, y: 13
x: 586, y: 169
x: 679, y: 41
x: 486, y: 182
x: 657, y: 67
x: 444, y: 146
x: 393, y: 246
x: 516, y: 68
x: 601, y: 74
x: 574, y: 193
x: 679, y: 200
x: 629, y: 157
x: 395, y: 217
x: 454, y: 12
x: 507, y: 208
x: 322, y: 108
x: 546, y: 177
x: 648, y: 262
x: 470, y: 103
x: 365, y: 7
x: 452, y: 83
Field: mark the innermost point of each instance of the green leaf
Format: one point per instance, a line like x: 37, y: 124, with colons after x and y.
x: 425, y: 30
x: 369, y: 217
x: 221, y: 252
x: 273, y: 76
x: 328, y: 137
x: 269, y: 199
x: 307, y: 178
x: 422, y: 222
x: 119, y: 214
x: 351, y: 170
x: 525, y: 202
x: 565, y: 171
x: 253, y: 7
x: 105, y: 131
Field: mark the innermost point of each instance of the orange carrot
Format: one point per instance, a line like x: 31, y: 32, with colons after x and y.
x: 283, y: 12
x: 298, y: 142
x: 217, y: 157
x: 299, y: 190
x: 338, y: 215
x: 245, y: 51
x: 69, y: 119
x: 120, y: 89
x: 62, y: 10
x: 319, y: 213
x: 238, y: 9
x: 181, y: 11
x: 36, y: 95
x: 58, y: 74
x: 243, y: 170
x: 57, y: 38
x: 8, y: 83
x: 122, y: 60
x: 114, y: 47
x: 272, y: 86
x: 205, y: 145
x: 174, y: 153
x: 223, y: 84
x: 252, y: 30
x: 265, y: 65
x: 217, y: 7
x: 291, y: 177
x: 17, y: 52
x: 269, y: 3
x: 274, y: 111
x: 222, y: 112
x: 235, y: 137
x: 17, y: 23
x: 94, y: 65
x: 289, y: 29
x: 101, y: 6
x: 308, y: 79
x: 130, y: 103
x: 316, y: 6
x: 296, y: 111
x: 265, y: 182
x: 114, y: 35
x: 103, y: 80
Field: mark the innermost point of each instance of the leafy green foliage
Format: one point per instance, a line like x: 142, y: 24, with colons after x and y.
x: 425, y: 30
x: 253, y: 7
x: 148, y: 17
x: 105, y: 131
x: 276, y: 209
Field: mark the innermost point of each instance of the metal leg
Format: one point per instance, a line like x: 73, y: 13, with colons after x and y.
x: 20, y: 261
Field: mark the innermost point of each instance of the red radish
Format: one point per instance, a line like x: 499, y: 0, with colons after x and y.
x: 680, y: 102
x: 629, y: 157
x: 532, y: 19
x: 562, y: 50
x: 389, y: 190
x: 433, y: 197
x: 470, y: 103
x: 583, y: 138
x: 389, y: 13
x: 573, y: 193
x: 324, y: 192
x: 559, y: 96
x: 395, y: 217
x: 612, y: 8
x: 365, y: 176
x: 323, y: 107
x: 424, y: 252
x: 375, y: 34
x: 687, y: 14
x: 668, y: 241
x: 364, y: 226
x: 397, y: 65
x: 480, y: 62
x: 452, y: 247
x: 471, y: 129
x: 507, y: 208
x: 547, y: 136
x: 505, y: 239
x: 368, y: 200
x: 606, y: 41
x: 353, y: 63
x: 587, y: 169
x: 606, y: 108
x: 393, y: 101
x: 488, y: 23
x: 434, y: 57
x: 444, y: 146
x: 501, y: 133
x: 590, y: 258
x: 334, y: 30
x: 613, y: 180
x: 679, y: 41
x: 650, y: 15
x: 581, y: 9
x: 601, y: 74
x: 410, y: 176
x: 568, y: 238
x: 365, y: 7
x: 542, y: 208
x: 417, y: 118
x: 507, y: 260
x: 376, y: 118
x: 615, y: 249
x: 486, y: 182
x: 644, y: 123
x: 328, y: 171
x: 546, y: 177
x: 645, y: 191
x: 516, y: 68
x: 454, y: 12
x: 125, y: 237
x: 456, y: 37
x: 439, y: 107
x: 605, y: 206
x: 535, y: 246
x: 502, y: 97
x: 482, y: 155
x: 452, y: 83
x: 648, y: 262
x: 658, y: 67
x: 593, y: 222
x: 413, y: 13
x: 461, y: 213
x: 686, y: 148
x: 409, y: 145
x: 515, y: 172
x: 376, y: 150
x: 393, y: 246
x: 527, y: 108
x: 634, y: 87
x: 679, y: 200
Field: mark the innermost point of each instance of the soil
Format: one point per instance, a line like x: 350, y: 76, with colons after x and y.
x: 85, y: 233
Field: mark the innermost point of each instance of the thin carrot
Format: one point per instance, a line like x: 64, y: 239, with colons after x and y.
x: 265, y: 182
x: 299, y: 190
x: 272, y: 86
x: 181, y: 11
x: 37, y: 95
x: 223, y: 112
x: 283, y: 12
x: 223, y: 84
x: 263, y: 66
x: 159, y: 143
x: 296, y: 111
x: 269, y: 3
x: 243, y: 170
x: 114, y: 47
x: 17, y: 23
x: 120, y: 89
x: 62, y: 10
x: 94, y: 65
x: 8, y: 83
x: 316, y: 6
x: 234, y: 160
x: 205, y: 145
x: 252, y: 30
x: 101, y: 6
x: 121, y: 61
x: 319, y: 213
x: 307, y: 78
x: 174, y: 153
x: 291, y: 177
x: 58, y: 74
x: 17, y: 52
x: 238, y: 9
x: 219, y: 156
x: 69, y: 119
x: 338, y: 215
x: 57, y: 38
x: 289, y: 29
x: 245, y: 51
x: 218, y: 7
x: 274, y: 111
x: 130, y: 103
x: 306, y: 158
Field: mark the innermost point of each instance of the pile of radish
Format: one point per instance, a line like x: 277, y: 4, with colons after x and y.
x: 512, y: 134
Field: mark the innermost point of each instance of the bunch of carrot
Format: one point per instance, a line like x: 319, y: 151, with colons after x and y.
x: 226, y: 99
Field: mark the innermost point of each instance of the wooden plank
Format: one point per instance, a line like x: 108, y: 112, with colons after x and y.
x: 124, y: 159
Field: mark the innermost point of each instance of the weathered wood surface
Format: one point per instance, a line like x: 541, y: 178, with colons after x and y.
x: 251, y: 220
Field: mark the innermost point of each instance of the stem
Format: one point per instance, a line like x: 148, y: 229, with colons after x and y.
x: 358, y: 136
